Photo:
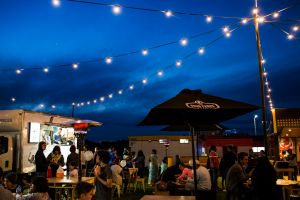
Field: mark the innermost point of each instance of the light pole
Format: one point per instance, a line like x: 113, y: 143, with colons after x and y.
x: 254, y: 122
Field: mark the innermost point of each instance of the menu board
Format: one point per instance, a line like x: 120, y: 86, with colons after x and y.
x: 34, y: 132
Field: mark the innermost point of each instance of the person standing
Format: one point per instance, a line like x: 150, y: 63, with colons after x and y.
x: 153, y: 167
x: 55, y: 159
x: 214, y: 167
x: 227, y: 161
x: 140, y: 163
x: 103, y: 177
x: 41, y: 162
x: 72, y: 157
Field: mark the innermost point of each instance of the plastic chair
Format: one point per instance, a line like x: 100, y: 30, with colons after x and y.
x: 118, y: 188
x: 141, y: 182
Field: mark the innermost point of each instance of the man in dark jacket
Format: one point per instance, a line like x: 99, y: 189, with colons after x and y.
x: 41, y: 161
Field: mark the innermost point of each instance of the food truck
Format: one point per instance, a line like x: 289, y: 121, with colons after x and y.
x: 22, y: 130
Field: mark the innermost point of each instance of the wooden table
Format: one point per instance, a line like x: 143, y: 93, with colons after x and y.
x: 161, y: 197
x: 287, y: 186
x: 289, y: 171
x: 60, y: 184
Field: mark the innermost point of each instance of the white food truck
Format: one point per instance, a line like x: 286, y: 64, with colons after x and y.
x: 22, y: 130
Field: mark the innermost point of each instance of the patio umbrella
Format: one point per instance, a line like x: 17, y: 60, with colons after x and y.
x: 193, y: 108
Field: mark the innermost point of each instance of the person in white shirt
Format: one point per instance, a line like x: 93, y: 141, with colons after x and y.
x: 203, y: 178
x: 116, y: 173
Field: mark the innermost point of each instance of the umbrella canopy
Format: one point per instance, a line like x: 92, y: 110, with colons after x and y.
x: 195, y: 108
x: 208, y: 127
x: 85, y: 121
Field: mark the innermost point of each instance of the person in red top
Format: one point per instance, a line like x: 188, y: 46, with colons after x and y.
x: 214, y: 167
x: 186, y: 172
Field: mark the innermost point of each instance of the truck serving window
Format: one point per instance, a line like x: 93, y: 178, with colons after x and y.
x: 3, y: 145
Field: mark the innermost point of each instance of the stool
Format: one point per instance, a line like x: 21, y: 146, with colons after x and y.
x: 116, y: 187
x: 141, y: 182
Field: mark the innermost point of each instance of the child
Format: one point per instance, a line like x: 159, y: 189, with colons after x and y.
x: 73, y: 169
x: 84, y: 191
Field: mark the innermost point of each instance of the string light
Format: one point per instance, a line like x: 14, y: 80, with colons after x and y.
x: 18, y: 71
x: 228, y: 34
x: 56, y: 3
x: 42, y: 105
x: 88, y: 103
x: 295, y: 28
x: 263, y: 61
x: 144, y: 81
x: 75, y: 65
x: 110, y: 95
x: 131, y: 87
x: 53, y: 106
x: 13, y: 99
x: 201, y: 51
x: 226, y: 29
x: 95, y: 101
x: 116, y: 9
x: 255, y: 11
x: 120, y: 92
x: 209, y: 19
x: 108, y: 60
x: 145, y: 52
x: 102, y: 99
x: 178, y: 63
x: 290, y: 36
x: 160, y: 73
x: 275, y: 14
x: 46, y: 70
x: 183, y: 41
x: 244, y: 21
x: 168, y: 13
x: 261, y: 19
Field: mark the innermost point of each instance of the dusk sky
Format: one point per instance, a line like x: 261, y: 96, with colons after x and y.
x: 36, y: 35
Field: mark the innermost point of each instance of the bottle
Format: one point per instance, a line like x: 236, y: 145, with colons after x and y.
x: 60, y: 172
x: 49, y: 172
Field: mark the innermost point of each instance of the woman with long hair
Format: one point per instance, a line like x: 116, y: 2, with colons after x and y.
x: 55, y: 159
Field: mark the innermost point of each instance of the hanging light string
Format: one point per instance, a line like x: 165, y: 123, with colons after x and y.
x: 159, y: 73
x: 290, y: 35
x: 168, y: 13
x: 267, y: 85
x: 75, y: 65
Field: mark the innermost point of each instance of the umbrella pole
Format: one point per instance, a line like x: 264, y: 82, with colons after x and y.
x: 194, y: 161
x: 197, y: 142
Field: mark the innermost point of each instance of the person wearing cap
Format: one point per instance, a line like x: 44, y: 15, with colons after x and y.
x: 203, y: 178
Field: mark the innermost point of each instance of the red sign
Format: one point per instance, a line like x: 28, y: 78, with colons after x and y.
x: 81, y: 126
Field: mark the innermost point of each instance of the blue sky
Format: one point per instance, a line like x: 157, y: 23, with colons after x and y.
x: 34, y: 34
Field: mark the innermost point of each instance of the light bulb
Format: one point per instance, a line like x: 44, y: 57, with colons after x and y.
x: 144, y: 81
x: 255, y: 11
x: 228, y: 34
x: 290, y: 36
x: 120, y: 92
x: 131, y: 87
x: 95, y: 101
x: 102, y: 99
x: 75, y: 65
x: 226, y: 29
x: 145, y: 52
x: 160, y: 73
x: 275, y: 14
x: 53, y: 106
x: 209, y: 19
x: 244, y: 21
x: 46, y: 70
x: 168, y: 13
x: 184, y: 41
x: 56, y: 3
x: 108, y: 60
x: 13, y: 99
x: 261, y: 19
x: 110, y: 96
x: 88, y: 103
x: 18, y: 71
x: 178, y: 63
x: 295, y: 28
x: 201, y: 51
x: 116, y: 9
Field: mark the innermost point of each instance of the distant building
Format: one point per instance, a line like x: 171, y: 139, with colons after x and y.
x: 181, y: 145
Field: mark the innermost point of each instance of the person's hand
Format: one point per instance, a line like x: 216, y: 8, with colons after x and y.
x: 97, y: 170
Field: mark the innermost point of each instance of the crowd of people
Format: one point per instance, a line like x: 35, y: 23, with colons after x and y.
x: 244, y: 175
